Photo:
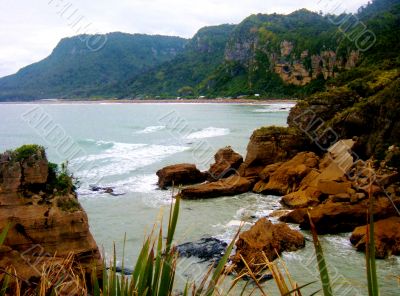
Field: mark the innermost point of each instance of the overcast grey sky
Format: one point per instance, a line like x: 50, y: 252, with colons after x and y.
x: 30, y: 29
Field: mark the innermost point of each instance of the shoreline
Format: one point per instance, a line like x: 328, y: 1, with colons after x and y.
x: 154, y: 101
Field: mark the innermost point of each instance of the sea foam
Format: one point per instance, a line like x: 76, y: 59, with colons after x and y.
x: 272, y: 108
x: 151, y: 129
x: 209, y: 132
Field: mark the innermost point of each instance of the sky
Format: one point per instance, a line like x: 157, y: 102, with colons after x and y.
x: 30, y: 29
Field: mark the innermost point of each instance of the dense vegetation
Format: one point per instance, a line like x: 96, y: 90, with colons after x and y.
x: 181, y: 75
x: 74, y: 70
x: 226, y: 60
x: 362, y: 102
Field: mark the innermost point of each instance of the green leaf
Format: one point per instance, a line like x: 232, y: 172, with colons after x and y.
x: 323, y: 270
x: 372, y: 278
x: 4, y: 233
x: 173, y: 222
x: 157, y: 268
x: 141, y: 262
x: 220, y: 268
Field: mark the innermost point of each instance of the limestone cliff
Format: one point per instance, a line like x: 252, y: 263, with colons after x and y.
x: 47, y: 223
x: 297, y: 69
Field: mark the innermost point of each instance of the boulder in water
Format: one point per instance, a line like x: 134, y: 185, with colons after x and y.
x: 179, y: 174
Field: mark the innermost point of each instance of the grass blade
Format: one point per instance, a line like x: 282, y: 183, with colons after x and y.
x: 373, y: 287
x: 323, y: 270
x: 4, y: 233
x: 172, y: 223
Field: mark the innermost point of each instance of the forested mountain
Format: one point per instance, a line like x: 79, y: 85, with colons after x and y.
x: 274, y: 55
x: 75, y: 69
x: 182, y: 75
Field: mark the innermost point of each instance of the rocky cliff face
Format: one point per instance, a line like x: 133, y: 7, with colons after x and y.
x: 297, y: 69
x: 47, y: 223
x: 366, y: 108
x: 269, y: 145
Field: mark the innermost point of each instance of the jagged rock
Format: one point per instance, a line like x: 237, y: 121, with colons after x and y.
x: 386, y: 234
x: 269, y: 145
x: 341, y: 197
x: 227, y: 162
x: 332, y: 217
x: 35, y: 169
x: 278, y: 213
x: 109, y: 190
x: 10, y: 176
x: 329, y: 180
x: 265, y: 238
x: 179, y: 174
x: 302, y: 198
x: 357, y: 197
x: 207, y: 249
x: 47, y: 225
x: 225, y: 187
x: 289, y: 175
x: 268, y: 170
x: 373, y: 120
x: 297, y: 216
x: 333, y: 187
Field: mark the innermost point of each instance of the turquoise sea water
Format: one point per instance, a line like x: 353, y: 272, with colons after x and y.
x: 123, y: 145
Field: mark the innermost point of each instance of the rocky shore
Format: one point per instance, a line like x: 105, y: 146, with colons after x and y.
x: 318, y: 164
x: 47, y: 224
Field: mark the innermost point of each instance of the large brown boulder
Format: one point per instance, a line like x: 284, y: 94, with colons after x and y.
x: 268, y: 171
x: 270, y: 145
x: 227, y: 162
x: 265, y: 238
x: 230, y: 186
x: 329, y: 180
x: 308, y: 197
x: 179, y: 174
x: 288, y: 176
x: 297, y: 216
x: 386, y: 234
x: 336, y: 217
x: 47, y: 222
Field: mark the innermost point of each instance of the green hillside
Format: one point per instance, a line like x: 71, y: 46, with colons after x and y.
x: 274, y: 55
x: 74, y: 70
x: 181, y: 76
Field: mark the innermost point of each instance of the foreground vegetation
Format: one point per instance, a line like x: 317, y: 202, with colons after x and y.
x: 156, y: 267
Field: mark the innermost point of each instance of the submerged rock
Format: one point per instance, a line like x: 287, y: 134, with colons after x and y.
x: 179, y: 174
x: 109, y: 190
x: 207, y: 249
x: 265, y: 238
x: 387, y: 237
x: 233, y: 185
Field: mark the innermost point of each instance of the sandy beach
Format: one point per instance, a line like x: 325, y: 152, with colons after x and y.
x: 159, y: 101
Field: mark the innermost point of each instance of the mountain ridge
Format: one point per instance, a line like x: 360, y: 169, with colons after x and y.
x: 273, y: 55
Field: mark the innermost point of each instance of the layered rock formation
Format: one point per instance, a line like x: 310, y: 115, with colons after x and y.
x: 303, y: 69
x: 265, y: 239
x: 387, y: 237
x: 230, y: 186
x: 287, y: 177
x: 227, y: 162
x: 179, y: 174
x: 269, y: 145
x: 47, y: 223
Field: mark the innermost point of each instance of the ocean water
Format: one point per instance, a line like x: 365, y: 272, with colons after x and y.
x: 123, y: 145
